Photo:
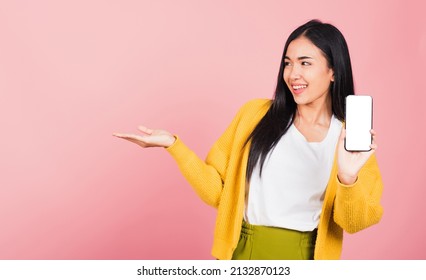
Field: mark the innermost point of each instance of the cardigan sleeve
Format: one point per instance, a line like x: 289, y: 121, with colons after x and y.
x: 207, y: 177
x: 357, y: 206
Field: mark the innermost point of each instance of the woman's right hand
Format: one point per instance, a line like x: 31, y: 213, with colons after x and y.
x: 150, y: 138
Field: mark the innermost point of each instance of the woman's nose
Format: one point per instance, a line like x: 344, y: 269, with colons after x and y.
x: 295, y: 72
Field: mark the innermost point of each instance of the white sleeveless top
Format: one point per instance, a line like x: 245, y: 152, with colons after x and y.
x: 295, y: 174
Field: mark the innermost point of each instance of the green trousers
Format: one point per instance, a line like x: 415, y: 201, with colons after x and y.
x: 272, y: 243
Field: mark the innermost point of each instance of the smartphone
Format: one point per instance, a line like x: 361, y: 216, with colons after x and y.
x: 358, y: 123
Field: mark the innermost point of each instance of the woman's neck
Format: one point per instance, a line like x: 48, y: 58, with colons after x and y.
x: 314, y: 114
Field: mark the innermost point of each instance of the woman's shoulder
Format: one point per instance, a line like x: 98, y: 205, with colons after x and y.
x: 252, y: 110
x: 255, y: 105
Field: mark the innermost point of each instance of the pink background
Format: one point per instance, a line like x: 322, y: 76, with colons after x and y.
x: 74, y: 72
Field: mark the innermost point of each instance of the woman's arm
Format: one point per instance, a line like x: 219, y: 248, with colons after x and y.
x: 359, y: 189
x: 357, y: 206
x: 206, y: 177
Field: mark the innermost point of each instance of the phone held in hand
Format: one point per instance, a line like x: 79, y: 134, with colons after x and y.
x: 358, y: 123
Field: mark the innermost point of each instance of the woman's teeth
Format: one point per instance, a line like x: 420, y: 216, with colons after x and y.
x: 299, y: 87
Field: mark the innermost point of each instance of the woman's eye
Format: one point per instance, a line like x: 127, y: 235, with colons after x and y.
x: 286, y: 63
x: 305, y: 63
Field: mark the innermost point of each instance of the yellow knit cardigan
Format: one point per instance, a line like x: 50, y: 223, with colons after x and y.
x: 220, y: 182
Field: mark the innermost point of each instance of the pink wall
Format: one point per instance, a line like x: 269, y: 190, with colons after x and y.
x: 74, y: 72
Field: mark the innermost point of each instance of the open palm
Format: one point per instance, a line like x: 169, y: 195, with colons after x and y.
x: 149, y: 138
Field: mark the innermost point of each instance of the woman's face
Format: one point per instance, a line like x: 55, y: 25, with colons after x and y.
x: 306, y: 72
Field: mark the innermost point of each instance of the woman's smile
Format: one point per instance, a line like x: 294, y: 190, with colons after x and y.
x: 298, y: 88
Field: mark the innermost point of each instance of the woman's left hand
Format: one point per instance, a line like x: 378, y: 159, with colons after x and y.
x: 350, y: 163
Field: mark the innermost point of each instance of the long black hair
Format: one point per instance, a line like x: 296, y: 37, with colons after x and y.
x: 281, y: 114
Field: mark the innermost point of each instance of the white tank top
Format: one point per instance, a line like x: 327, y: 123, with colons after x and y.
x: 295, y: 174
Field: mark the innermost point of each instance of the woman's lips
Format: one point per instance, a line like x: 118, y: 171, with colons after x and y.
x: 298, y: 89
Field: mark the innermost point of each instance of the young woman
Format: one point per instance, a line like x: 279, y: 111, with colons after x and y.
x: 279, y: 176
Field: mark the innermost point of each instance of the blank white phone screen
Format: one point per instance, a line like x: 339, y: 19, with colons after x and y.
x: 359, y: 120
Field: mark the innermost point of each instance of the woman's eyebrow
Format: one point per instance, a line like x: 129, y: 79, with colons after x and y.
x: 300, y: 57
